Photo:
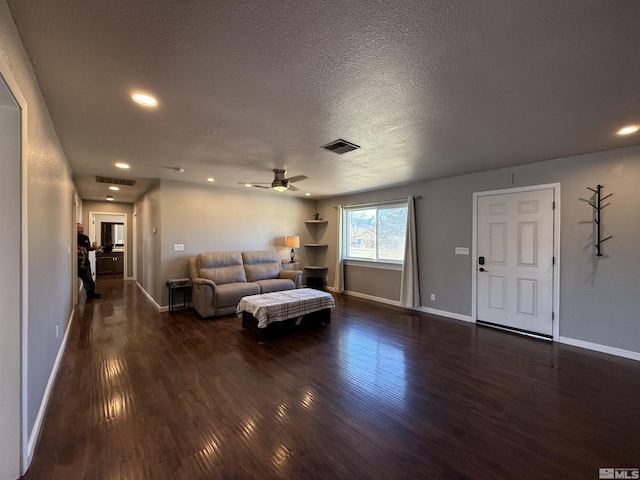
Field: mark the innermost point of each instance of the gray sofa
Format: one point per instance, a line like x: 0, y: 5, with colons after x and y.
x: 221, y: 279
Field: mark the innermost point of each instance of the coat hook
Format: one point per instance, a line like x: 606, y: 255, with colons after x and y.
x: 597, y: 205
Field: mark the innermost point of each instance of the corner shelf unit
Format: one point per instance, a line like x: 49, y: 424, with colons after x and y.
x: 314, y: 248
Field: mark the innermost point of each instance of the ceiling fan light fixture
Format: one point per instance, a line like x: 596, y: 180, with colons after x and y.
x: 280, y: 182
x: 279, y: 186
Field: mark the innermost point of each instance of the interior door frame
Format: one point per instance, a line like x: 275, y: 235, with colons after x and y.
x: 92, y: 234
x: 556, y: 249
x: 21, y: 102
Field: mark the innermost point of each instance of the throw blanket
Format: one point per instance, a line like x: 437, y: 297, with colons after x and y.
x: 277, y: 306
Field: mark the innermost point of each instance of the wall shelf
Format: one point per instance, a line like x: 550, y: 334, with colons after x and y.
x: 316, y: 272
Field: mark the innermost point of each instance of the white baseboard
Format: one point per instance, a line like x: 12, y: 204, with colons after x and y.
x: 35, y: 432
x: 443, y: 313
x: 151, y: 299
x: 395, y: 303
x: 619, y: 352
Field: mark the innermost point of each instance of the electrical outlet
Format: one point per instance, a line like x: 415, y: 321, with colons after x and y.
x: 433, y: 297
x: 178, y: 247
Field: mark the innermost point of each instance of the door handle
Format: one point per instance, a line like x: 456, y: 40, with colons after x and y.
x: 483, y: 270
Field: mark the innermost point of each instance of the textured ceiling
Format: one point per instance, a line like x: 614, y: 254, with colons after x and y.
x: 426, y: 88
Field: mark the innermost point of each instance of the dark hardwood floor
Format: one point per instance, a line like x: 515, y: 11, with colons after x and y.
x: 382, y: 393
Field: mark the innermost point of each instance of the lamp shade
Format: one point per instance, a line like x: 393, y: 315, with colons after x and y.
x: 292, y: 241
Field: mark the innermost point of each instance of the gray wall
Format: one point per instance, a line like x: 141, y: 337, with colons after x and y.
x: 599, y: 297
x: 206, y: 218
x: 149, y: 231
x: 50, y: 208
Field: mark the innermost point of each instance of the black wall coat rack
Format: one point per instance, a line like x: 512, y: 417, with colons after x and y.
x: 598, y: 207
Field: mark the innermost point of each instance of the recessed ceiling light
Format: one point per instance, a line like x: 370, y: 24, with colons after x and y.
x: 628, y: 130
x: 144, y: 100
x: 307, y: 194
x: 122, y: 165
x: 109, y: 198
x: 114, y: 188
x: 211, y: 179
x: 248, y: 185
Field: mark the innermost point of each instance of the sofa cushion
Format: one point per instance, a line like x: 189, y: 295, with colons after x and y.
x: 275, y: 285
x: 261, y: 264
x: 229, y: 294
x: 221, y: 267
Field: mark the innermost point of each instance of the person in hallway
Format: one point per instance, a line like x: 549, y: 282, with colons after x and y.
x: 84, y: 267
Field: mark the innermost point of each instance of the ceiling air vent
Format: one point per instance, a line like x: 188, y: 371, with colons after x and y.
x: 340, y: 146
x: 116, y: 181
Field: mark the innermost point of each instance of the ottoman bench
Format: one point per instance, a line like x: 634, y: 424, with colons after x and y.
x: 301, y: 305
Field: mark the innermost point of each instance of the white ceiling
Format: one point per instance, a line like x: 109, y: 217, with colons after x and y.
x: 427, y: 88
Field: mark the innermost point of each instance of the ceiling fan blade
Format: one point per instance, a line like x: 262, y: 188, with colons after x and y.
x: 293, y: 189
x: 297, y: 178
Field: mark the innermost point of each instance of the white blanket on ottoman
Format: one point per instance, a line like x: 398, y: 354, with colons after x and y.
x: 278, y: 306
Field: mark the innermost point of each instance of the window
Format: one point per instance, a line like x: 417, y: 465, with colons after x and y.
x: 376, y: 232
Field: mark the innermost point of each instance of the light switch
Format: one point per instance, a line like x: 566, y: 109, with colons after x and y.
x: 462, y: 250
x: 178, y: 247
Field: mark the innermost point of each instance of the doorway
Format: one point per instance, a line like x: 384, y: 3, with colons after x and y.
x: 109, y: 230
x: 516, y: 260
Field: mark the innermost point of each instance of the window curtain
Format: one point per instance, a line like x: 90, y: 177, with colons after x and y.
x: 338, y: 283
x: 410, y: 284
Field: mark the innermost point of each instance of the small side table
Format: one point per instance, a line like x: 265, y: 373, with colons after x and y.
x: 179, y: 287
x: 289, y: 265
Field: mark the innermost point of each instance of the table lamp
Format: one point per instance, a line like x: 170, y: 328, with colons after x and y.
x: 292, y: 241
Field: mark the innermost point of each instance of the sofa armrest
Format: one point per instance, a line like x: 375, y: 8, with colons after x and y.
x: 205, y: 281
x: 295, y: 275
x: 203, y: 295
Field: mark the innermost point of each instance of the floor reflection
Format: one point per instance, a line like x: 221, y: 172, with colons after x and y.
x: 372, y: 367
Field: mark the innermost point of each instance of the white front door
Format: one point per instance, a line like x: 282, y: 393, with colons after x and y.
x: 515, y: 260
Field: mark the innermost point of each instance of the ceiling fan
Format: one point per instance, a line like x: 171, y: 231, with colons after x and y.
x: 280, y: 182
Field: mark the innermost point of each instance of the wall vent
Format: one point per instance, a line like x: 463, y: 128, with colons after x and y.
x: 340, y: 146
x: 116, y: 181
